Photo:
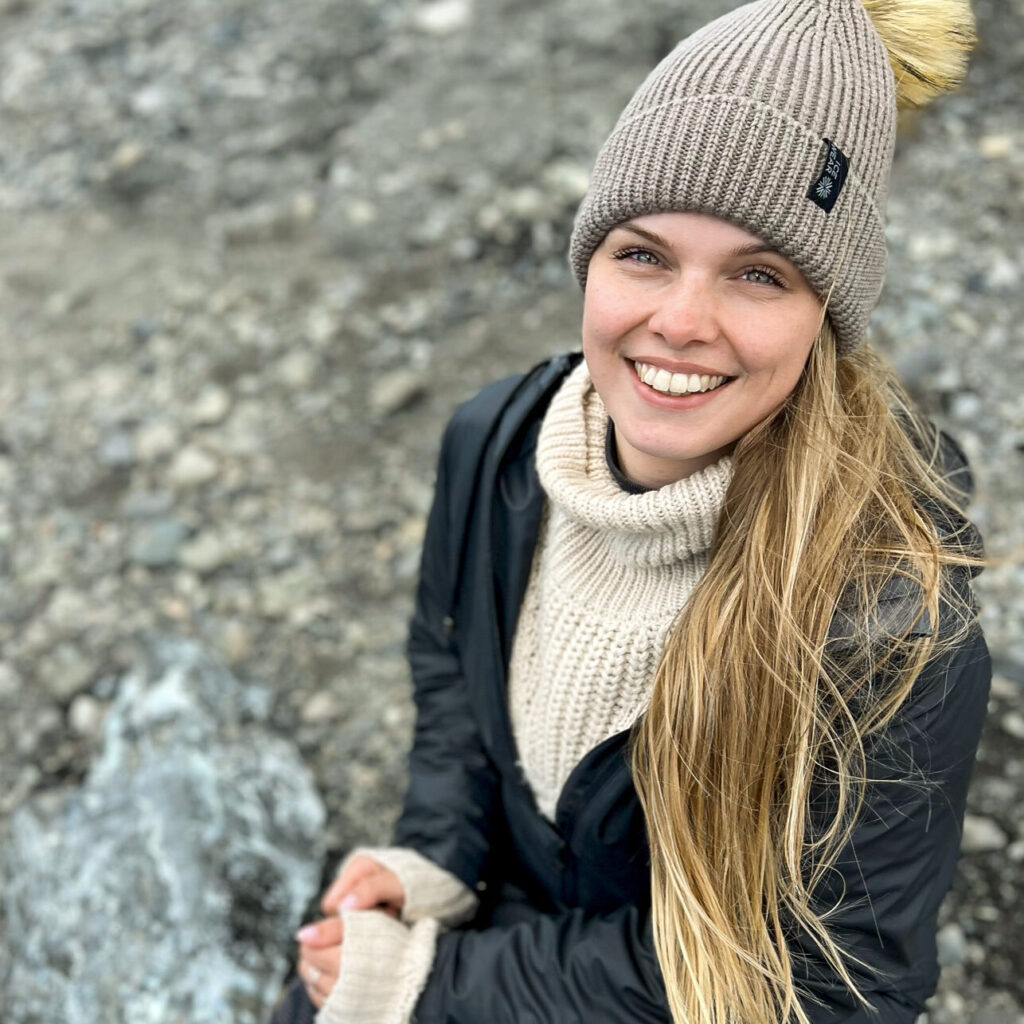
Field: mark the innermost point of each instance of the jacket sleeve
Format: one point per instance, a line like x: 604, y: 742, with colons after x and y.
x: 449, y: 807
x: 602, y: 969
x: 568, y: 967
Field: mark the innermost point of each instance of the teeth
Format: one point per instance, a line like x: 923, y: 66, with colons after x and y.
x: 677, y: 383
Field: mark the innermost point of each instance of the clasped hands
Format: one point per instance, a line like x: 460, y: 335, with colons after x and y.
x: 362, y: 885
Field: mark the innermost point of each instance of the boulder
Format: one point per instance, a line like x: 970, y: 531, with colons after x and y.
x: 165, y: 889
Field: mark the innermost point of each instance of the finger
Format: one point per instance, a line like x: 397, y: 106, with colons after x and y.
x: 383, y: 888
x: 357, y: 868
x: 318, y: 981
x: 319, y: 934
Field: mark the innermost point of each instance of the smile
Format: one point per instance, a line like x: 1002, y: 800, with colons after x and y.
x: 677, y: 383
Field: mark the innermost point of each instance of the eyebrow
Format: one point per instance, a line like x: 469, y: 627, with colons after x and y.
x: 750, y: 249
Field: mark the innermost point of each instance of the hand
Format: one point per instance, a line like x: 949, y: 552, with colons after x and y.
x: 364, y: 885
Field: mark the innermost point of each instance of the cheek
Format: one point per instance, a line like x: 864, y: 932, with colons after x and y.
x: 607, y: 311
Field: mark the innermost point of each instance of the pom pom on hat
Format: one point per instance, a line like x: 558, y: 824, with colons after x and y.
x: 927, y: 41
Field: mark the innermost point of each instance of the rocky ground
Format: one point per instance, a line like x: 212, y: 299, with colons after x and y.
x: 251, y: 256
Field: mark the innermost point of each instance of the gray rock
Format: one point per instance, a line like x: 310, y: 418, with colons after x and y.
x: 158, y: 544
x: 396, y: 390
x: 176, y: 872
x: 442, y: 17
x: 192, y: 467
x: 85, y: 716
x: 981, y: 835
x: 207, y: 553
x: 952, y: 945
x: 117, y: 451
x: 297, y: 370
x: 146, y: 504
x: 10, y: 682
x: 156, y: 439
x: 210, y: 407
x: 999, y: 1009
x: 1013, y: 724
x: 66, y: 671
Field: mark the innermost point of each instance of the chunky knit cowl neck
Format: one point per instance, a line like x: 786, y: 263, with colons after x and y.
x: 610, y: 574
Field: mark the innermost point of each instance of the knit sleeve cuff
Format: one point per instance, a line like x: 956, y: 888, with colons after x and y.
x: 384, y: 967
x: 430, y: 891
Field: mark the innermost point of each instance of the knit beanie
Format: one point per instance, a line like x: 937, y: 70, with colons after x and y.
x: 780, y: 117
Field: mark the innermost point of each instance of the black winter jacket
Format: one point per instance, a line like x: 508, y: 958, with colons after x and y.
x: 575, y: 945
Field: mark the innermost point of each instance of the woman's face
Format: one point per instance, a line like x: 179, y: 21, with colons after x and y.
x: 694, y: 330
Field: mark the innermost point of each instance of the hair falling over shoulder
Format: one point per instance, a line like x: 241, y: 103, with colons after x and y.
x: 753, y: 710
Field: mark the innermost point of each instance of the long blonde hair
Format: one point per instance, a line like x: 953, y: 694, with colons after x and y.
x: 834, y: 498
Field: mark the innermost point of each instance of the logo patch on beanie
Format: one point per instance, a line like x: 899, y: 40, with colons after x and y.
x: 825, y: 189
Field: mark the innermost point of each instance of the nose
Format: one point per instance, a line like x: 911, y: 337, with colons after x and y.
x: 685, y: 312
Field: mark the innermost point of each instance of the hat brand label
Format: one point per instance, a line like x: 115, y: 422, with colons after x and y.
x: 825, y: 189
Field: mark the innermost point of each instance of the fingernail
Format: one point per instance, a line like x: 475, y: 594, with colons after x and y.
x: 350, y: 901
x: 306, y: 934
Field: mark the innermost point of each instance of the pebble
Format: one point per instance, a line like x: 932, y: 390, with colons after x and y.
x: 146, y: 504
x: 10, y: 682
x: 117, y: 451
x: 396, y: 391
x: 235, y: 643
x: 192, y: 467
x: 1013, y: 724
x: 965, y: 406
x: 570, y: 180
x: 211, y: 407
x: 442, y: 17
x: 206, y: 554
x: 952, y: 945
x: 158, y: 544
x: 65, y: 672
x: 995, y: 147
x: 321, y: 707
x: 981, y: 835
x: 68, y: 610
x: 155, y: 440
x: 297, y: 370
x: 85, y: 716
x: 361, y: 213
x: 127, y: 155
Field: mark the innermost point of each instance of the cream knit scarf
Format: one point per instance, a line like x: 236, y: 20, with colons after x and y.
x: 610, y: 574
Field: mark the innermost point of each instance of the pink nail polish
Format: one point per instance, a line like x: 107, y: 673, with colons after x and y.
x: 306, y: 934
x: 350, y: 901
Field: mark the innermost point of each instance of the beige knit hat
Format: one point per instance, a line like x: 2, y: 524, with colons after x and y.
x: 780, y: 117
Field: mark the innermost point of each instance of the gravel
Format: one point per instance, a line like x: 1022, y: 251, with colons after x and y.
x: 252, y: 255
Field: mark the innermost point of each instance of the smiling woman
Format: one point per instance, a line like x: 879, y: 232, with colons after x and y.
x: 698, y: 676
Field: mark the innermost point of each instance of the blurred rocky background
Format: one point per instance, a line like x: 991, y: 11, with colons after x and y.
x: 251, y: 256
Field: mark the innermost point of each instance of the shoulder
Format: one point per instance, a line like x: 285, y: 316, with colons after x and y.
x: 501, y: 407
x: 895, y: 610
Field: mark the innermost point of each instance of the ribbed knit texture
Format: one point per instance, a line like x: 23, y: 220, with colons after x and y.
x: 385, y: 963
x: 430, y: 891
x: 732, y: 122
x: 610, y: 574
x: 384, y: 966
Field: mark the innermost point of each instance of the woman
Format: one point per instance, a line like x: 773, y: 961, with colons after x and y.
x: 697, y: 675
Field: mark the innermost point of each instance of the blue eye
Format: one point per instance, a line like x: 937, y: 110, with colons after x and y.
x: 763, y: 275
x: 638, y: 255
